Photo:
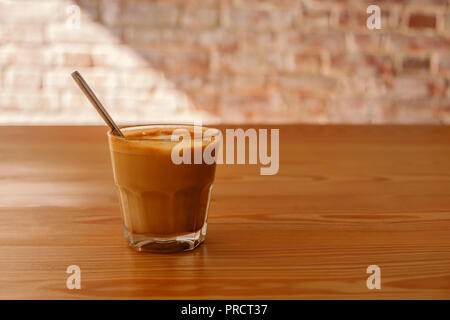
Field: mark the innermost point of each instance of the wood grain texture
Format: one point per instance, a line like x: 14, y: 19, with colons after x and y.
x: 345, y: 197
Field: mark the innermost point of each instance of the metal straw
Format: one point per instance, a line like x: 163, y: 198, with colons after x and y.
x: 95, y: 102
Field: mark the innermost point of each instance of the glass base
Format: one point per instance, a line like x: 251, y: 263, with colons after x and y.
x: 146, y: 243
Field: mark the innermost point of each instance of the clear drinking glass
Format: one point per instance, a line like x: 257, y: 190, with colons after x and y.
x: 164, y: 205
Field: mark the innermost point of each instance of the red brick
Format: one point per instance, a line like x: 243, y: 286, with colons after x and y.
x: 443, y: 110
x: 22, y: 55
x: 426, y: 2
x: 408, y: 87
x: 61, y: 54
x: 59, y: 78
x: 108, y: 11
x: 22, y: 33
x: 444, y: 64
x: 422, y: 21
x: 306, y: 85
x: 176, y: 38
x: 329, y: 41
x: 76, y: 101
x: 305, y: 108
x: 22, y: 77
x: 447, y: 22
x: 150, y: 14
x: 255, y: 107
x: 189, y: 82
x: 314, y: 19
x: 416, y: 64
x: 199, y: 17
x: 351, y: 64
x: 438, y: 87
x: 30, y: 11
x: 353, y: 18
x: 368, y: 41
x: 177, y: 60
x: 121, y: 101
x: 366, y: 85
x: 351, y: 110
x: 220, y: 39
x: 88, y: 32
x: 263, y: 3
x: 55, y: 79
x: 407, y: 111
x: 77, y: 60
x: 418, y: 43
x: 205, y: 100
x: 116, y: 56
x: 309, y: 62
x: 248, y: 83
x: 257, y: 18
x: 251, y: 62
x: 365, y: 3
x: 92, y: 7
x: 256, y: 40
x: 144, y: 36
x: 35, y: 101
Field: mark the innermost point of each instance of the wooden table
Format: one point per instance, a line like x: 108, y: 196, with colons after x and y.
x: 345, y: 197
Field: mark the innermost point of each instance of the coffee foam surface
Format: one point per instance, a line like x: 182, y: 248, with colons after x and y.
x: 140, y: 139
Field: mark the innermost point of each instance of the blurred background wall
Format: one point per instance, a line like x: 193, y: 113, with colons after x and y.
x: 307, y: 61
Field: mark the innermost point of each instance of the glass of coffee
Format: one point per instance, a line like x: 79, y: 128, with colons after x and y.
x: 164, y: 188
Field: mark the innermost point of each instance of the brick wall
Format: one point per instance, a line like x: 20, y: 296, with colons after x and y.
x: 311, y: 61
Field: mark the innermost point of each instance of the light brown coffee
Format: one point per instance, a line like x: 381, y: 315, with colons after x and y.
x: 159, y: 198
